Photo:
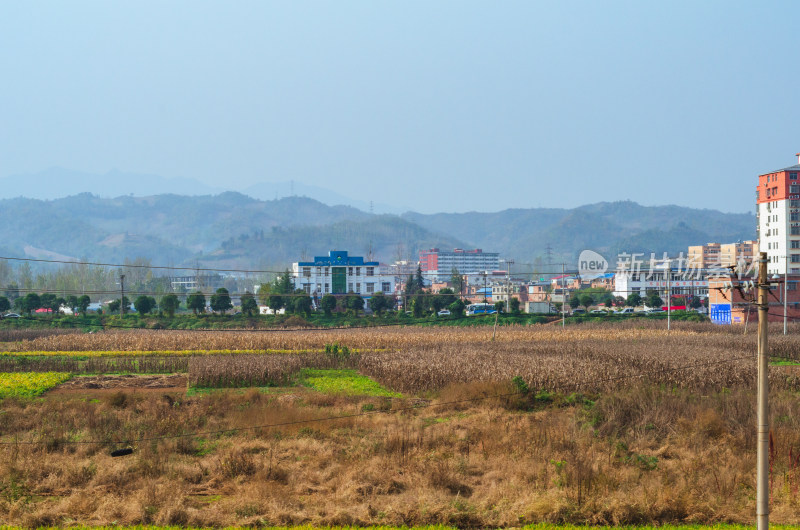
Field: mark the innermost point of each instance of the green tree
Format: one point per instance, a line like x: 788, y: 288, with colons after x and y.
x: 457, y: 308
x: 418, y: 305
x: 447, y: 295
x: 113, y: 306
x: 608, y: 301
x: 302, y: 304
x: 586, y: 300
x: 634, y: 300
x: 695, y: 302
x: 354, y: 303
x: 654, y: 300
x: 72, y: 303
x: 419, y: 283
x: 457, y: 280
x: 499, y: 306
x: 221, y: 301
x: 83, y: 304
x: 379, y: 303
x: 283, y: 283
x: 437, y: 302
x: 514, y: 306
x: 5, y: 305
x: 169, y: 304
x: 144, y: 304
x: 328, y: 304
x: 574, y: 301
x: 249, y: 304
x: 276, y: 302
x: 196, y: 302
x: 49, y: 301
x: 28, y: 303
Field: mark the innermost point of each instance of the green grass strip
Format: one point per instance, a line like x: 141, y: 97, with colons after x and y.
x: 347, y: 382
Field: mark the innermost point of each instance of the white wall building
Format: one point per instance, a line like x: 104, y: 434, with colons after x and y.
x: 339, y: 273
x: 685, y: 282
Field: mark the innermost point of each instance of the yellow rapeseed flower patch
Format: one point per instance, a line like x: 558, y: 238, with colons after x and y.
x: 29, y: 384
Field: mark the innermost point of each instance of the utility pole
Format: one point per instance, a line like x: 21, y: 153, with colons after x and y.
x: 122, y: 298
x: 669, y: 293
x: 509, y: 263
x: 785, y: 292
x: 762, y: 455
x: 563, y: 299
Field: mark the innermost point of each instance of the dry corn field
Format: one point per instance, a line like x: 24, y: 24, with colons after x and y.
x: 587, y: 358
x: 622, y: 424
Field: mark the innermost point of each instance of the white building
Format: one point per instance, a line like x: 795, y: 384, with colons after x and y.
x: 339, y: 273
x: 778, y: 213
x: 689, y: 282
x: 439, y: 264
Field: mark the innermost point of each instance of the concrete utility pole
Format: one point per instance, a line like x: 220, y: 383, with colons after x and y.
x: 669, y: 293
x: 509, y: 263
x: 563, y: 299
x: 122, y: 298
x: 785, y: 292
x: 762, y: 456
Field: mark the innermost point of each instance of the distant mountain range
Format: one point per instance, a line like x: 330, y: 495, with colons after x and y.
x: 56, y: 182
x: 233, y: 230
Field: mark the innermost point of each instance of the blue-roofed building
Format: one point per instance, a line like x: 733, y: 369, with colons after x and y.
x: 340, y: 273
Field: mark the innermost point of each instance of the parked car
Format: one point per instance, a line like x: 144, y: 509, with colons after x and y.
x: 444, y: 313
x: 11, y: 315
x: 655, y: 310
x: 579, y: 311
x: 598, y: 312
x: 626, y: 311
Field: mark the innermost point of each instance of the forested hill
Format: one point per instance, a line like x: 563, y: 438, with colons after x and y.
x: 234, y: 230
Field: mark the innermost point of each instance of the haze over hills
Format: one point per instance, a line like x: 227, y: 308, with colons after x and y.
x: 57, y: 182
x: 232, y: 230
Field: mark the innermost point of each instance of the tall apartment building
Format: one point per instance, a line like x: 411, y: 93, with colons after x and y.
x: 734, y: 253
x: 437, y: 264
x: 705, y: 256
x: 722, y: 255
x: 778, y: 213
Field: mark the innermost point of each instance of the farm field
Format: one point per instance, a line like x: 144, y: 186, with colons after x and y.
x: 596, y: 424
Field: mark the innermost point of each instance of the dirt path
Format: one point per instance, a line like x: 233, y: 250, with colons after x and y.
x: 102, y: 384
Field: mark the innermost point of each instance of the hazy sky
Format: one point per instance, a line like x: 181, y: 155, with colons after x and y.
x: 442, y: 106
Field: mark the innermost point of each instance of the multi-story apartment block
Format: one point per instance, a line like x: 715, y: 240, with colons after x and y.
x: 438, y: 265
x: 705, y: 256
x: 736, y: 253
x: 778, y: 212
x: 339, y: 273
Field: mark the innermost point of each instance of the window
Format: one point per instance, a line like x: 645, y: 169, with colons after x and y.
x: 791, y: 286
x: 350, y: 271
x: 386, y: 286
x: 795, y: 258
x: 370, y: 288
x: 319, y: 271
x: 358, y: 288
x: 370, y: 271
x: 794, y: 216
x: 306, y: 272
x: 794, y: 188
x: 795, y: 244
x: 350, y: 287
x: 327, y: 288
x: 795, y: 203
x: 792, y: 176
x: 307, y: 288
x: 358, y: 271
x: 327, y: 270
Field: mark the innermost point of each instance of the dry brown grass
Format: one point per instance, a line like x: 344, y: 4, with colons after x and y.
x: 639, y: 455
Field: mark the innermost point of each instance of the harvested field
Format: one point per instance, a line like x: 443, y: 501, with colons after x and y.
x: 122, y: 382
